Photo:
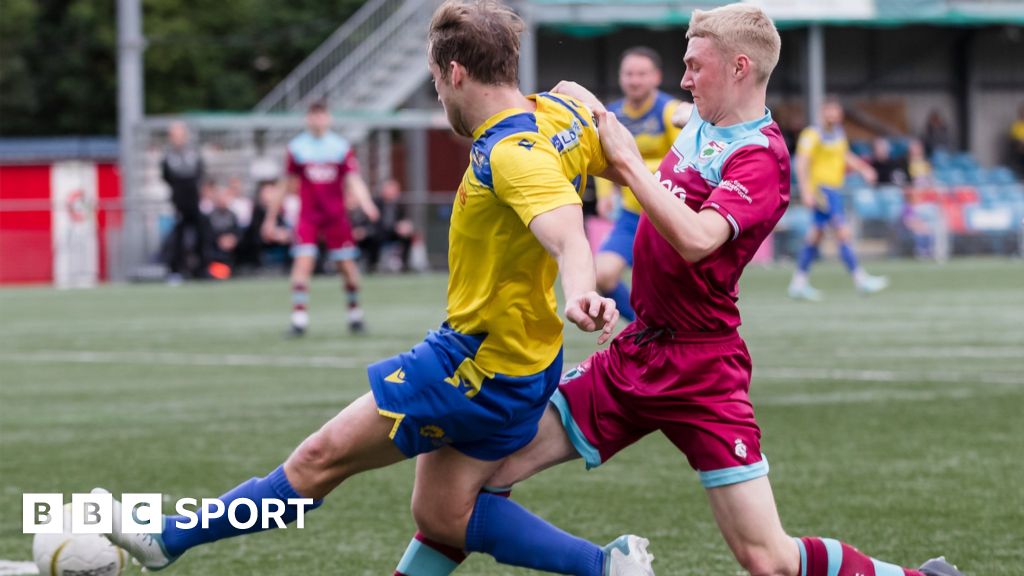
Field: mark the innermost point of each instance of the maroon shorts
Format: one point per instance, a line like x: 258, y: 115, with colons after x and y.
x: 693, y: 388
x: 333, y: 228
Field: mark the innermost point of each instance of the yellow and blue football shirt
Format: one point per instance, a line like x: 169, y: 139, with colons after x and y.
x: 654, y: 132
x: 827, y: 152
x: 502, y: 279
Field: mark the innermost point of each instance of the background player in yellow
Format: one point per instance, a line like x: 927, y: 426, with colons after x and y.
x: 822, y: 158
x: 654, y: 118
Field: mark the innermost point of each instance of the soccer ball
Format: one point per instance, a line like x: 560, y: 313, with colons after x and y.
x: 70, y: 554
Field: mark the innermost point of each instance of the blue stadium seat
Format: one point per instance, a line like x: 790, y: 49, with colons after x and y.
x: 941, y: 159
x: 866, y: 204
x: 951, y: 177
x: 989, y: 194
x: 1001, y: 175
x: 899, y: 147
x: 861, y: 148
x: 890, y: 201
x: 975, y: 176
x: 854, y: 181
x: 964, y: 161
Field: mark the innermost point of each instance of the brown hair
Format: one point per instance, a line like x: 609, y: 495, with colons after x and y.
x: 644, y: 51
x: 740, y: 29
x: 317, y: 106
x: 481, y: 35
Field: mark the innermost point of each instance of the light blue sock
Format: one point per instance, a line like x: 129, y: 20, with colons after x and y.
x: 849, y: 259
x: 621, y: 297
x: 515, y: 536
x: 275, y: 485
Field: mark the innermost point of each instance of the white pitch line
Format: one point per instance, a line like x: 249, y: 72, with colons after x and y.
x: 12, y: 568
x: 864, y: 397
x: 143, y: 357
x: 938, y: 352
x: 181, y: 359
x: 945, y: 376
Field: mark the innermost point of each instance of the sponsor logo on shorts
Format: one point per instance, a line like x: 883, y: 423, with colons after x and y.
x: 396, y: 377
x: 432, y: 431
x: 741, y: 449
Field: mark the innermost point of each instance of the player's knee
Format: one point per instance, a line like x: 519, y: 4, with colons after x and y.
x: 439, y: 522
x: 319, y: 460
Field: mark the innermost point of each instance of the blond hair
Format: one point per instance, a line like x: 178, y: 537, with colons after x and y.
x: 481, y: 35
x: 740, y: 29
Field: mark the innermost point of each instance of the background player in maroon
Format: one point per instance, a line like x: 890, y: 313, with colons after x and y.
x: 323, y: 170
x: 681, y: 368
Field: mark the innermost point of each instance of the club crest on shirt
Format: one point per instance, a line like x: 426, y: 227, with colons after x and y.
x: 710, y: 150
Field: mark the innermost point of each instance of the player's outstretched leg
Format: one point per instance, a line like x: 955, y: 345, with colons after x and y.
x: 747, y: 516
x: 355, y: 440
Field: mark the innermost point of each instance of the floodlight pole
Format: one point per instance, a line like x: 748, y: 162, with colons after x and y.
x: 130, y: 45
x: 527, y: 49
x: 815, y: 87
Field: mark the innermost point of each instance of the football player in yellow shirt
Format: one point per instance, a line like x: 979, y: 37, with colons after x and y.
x: 822, y: 158
x: 474, y: 391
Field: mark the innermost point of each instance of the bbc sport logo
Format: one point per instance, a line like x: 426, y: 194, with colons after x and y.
x: 140, y: 513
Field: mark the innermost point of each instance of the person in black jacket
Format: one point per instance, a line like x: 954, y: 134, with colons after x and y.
x: 392, y: 228
x: 182, y: 169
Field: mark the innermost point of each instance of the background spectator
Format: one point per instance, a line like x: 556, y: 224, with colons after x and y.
x: 394, y: 228
x: 1017, y: 141
x: 182, y: 170
x: 224, y: 229
x: 937, y: 135
x: 261, y: 238
x: 918, y: 167
x: 889, y: 169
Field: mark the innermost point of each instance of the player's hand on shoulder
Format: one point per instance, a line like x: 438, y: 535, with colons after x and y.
x: 617, y: 141
x: 591, y: 312
x: 580, y: 93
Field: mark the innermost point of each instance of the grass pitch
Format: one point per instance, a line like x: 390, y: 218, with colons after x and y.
x: 893, y: 423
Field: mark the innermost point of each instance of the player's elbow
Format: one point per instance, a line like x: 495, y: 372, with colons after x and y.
x: 696, y: 248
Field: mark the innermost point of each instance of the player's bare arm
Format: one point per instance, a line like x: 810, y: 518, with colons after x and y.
x: 560, y: 231
x: 865, y: 169
x: 360, y: 193
x: 694, y: 235
x: 269, y: 228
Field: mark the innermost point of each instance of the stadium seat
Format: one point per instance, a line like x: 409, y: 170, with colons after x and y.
x: 954, y: 214
x: 1001, y: 175
x: 890, y: 201
x: 941, y: 160
x: 855, y: 181
x: 988, y: 195
x: 866, y: 204
x: 899, y: 147
x: 965, y: 195
x: 861, y: 148
x: 964, y: 161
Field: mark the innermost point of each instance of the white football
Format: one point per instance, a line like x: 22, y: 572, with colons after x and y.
x: 70, y: 554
